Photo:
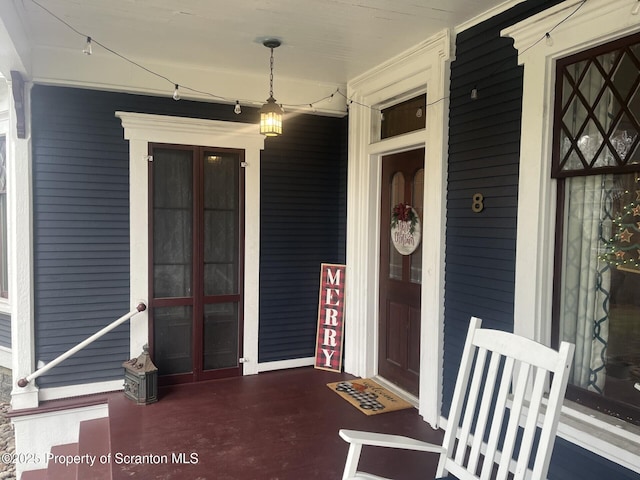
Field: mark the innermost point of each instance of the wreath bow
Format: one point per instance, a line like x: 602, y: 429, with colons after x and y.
x: 403, y: 212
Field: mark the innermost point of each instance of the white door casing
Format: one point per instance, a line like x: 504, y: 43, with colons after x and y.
x: 142, y: 129
x: 422, y: 69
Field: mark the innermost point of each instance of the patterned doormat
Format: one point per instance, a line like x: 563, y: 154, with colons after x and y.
x: 368, y: 396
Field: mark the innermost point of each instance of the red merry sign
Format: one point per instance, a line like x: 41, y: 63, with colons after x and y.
x: 330, y: 318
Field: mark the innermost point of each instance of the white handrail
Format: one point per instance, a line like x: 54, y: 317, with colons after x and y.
x: 23, y: 382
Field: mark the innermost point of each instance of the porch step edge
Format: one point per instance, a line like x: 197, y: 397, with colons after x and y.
x: 34, y: 475
x: 59, y: 468
x: 95, y: 446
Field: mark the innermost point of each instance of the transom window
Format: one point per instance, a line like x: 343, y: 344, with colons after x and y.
x: 597, y: 281
x: 404, y: 117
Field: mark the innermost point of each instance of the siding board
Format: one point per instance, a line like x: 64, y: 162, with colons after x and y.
x: 483, y: 158
x: 81, y: 224
x: 303, y: 224
x: 5, y: 330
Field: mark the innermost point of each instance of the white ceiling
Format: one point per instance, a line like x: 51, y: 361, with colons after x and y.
x: 216, y: 45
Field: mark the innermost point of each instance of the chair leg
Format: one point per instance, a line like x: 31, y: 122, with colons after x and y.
x: 353, y: 457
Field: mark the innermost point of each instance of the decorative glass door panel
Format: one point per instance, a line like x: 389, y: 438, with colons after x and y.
x: 196, y: 261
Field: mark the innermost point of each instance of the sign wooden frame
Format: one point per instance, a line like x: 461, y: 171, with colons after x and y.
x: 329, y: 337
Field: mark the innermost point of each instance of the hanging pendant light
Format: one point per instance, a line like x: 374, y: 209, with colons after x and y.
x: 271, y: 113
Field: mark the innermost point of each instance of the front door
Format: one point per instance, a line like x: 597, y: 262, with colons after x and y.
x: 196, y: 268
x: 401, y: 270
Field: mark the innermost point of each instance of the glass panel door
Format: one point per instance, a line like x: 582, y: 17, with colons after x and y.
x: 196, y: 262
x: 172, y: 260
x: 221, y: 248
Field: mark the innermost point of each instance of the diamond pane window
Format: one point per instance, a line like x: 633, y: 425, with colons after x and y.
x: 596, y: 288
x: 597, y: 110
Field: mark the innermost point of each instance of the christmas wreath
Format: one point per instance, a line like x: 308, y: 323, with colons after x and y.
x: 403, y: 212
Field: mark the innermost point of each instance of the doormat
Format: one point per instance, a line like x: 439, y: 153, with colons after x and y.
x: 368, y: 396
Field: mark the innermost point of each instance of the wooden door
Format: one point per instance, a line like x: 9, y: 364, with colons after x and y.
x: 196, y: 267
x: 400, y: 274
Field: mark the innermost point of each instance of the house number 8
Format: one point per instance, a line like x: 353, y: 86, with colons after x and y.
x: 478, y: 203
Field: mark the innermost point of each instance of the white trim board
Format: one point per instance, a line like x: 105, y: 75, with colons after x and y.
x: 142, y: 129
x: 283, y: 364
x: 83, y: 389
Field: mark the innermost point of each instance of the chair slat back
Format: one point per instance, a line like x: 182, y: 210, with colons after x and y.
x: 503, y: 376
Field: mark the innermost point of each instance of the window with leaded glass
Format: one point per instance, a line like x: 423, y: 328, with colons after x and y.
x: 596, y: 158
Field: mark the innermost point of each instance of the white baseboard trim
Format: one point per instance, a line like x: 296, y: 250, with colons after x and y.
x: 56, y: 393
x: 284, y: 364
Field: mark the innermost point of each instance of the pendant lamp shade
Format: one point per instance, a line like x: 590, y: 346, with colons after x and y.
x: 271, y: 113
x: 271, y: 118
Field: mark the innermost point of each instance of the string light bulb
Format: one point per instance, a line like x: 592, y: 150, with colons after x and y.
x: 636, y: 8
x: 87, y: 50
x: 548, y: 39
x: 237, y: 109
x: 176, y: 93
x: 474, y: 93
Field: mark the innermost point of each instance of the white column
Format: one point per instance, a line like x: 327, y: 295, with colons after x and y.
x: 20, y: 248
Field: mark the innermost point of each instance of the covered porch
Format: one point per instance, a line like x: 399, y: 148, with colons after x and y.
x: 275, y: 425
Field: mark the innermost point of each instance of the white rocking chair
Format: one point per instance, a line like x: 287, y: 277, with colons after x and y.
x: 498, y: 403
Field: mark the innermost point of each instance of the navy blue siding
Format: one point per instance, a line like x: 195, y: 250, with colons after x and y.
x: 484, y: 150
x: 81, y: 218
x: 5, y: 330
x: 303, y: 224
x: 81, y: 233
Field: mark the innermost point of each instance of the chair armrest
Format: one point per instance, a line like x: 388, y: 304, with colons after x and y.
x: 391, y: 441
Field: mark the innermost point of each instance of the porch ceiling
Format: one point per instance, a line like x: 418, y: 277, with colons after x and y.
x: 216, y: 45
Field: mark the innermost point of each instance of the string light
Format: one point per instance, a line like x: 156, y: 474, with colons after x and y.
x: 176, y: 93
x: 237, y: 110
x: 546, y: 37
x: 636, y: 8
x: 87, y: 48
x: 474, y: 92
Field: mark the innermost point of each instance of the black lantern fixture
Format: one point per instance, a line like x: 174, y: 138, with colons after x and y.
x: 271, y: 113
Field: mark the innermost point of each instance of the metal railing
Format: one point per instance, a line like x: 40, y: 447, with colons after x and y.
x: 23, y: 382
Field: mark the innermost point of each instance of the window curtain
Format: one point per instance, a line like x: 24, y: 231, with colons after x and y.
x: 584, y: 316
x: 172, y: 222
